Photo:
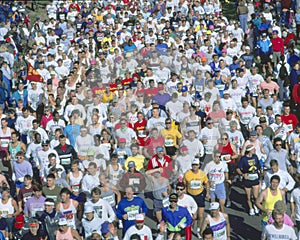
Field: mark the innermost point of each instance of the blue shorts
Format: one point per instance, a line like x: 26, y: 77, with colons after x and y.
x: 219, y: 192
x: 20, y: 184
x: 200, y: 199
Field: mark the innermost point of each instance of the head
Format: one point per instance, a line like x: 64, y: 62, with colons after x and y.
x: 180, y: 188
x: 274, y: 182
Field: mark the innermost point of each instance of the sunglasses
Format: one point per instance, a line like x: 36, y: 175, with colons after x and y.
x: 224, y: 138
x: 168, y: 122
x: 179, y: 189
x: 278, y: 144
x: 173, y: 201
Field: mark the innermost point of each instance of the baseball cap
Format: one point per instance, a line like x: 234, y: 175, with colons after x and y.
x: 247, y: 48
x: 88, y: 209
x: 250, y: 147
x: 184, y: 89
x: 275, y: 32
x: 195, y: 161
x: 184, y: 148
x: 173, y: 197
x: 131, y: 164
x: 209, y: 120
x: 159, y: 149
x: 262, y: 119
x: 154, y: 101
x: 62, y: 221
x: 214, y: 206
x: 105, y: 228
x: 226, y: 92
x: 253, y: 133
x: 140, y: 218
x: 204, y: 137
x: 19, y: 221
x: 45, y: 142
x: 122, y: 140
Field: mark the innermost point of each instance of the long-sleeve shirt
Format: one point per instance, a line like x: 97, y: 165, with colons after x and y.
x: 286, y: 180
x: 282, y: 158
x: 177, y: 220
x: 131, y: 208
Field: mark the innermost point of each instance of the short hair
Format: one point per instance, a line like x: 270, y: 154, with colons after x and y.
x: 180, y: 184
x: 135, y: 237
x: 51, y: 175
x: 207, y: 232
x: 276, y: 177
x: 96, y: 191
x: 65, y: 190
x: 37, y: 187
x: 93, y: 164
x: 51, y: 155
x: 273, y: 162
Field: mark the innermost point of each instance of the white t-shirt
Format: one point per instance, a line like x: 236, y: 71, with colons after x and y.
x: 145, y: 233
x: 188, y: 202
x: 272, y: 233
x: 295, y: 198
x: 216, y: 172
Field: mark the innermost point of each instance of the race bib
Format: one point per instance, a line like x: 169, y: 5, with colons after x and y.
x: 169, y: 143
x: 199, y: 88
x: 66, y: 161
x: 4, y: 212
x: 290, y: 127
x: 132, y: 215
x: 252, y: 176
x: 220, y: 87
x: 76, y: 188
x: 134, y: 181
x: 142, y: 133
x: 98, y: 210
x: 195, y: 184
x: 110, y: 200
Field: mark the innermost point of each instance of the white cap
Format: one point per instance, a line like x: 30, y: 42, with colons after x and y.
x: 195, y: 161
x: 139, y: 218
x: 214, y: 206
x: 62, y: 221
x: 88, y: 209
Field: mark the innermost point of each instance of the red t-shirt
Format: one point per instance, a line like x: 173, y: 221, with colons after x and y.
x: 290, y: 119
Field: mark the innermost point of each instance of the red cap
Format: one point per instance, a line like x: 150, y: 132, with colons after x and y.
x: 122, y: 140
x: 184, y: 148
x: 19, y: 221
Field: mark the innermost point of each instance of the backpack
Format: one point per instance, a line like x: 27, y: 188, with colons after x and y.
x: 284, y: 75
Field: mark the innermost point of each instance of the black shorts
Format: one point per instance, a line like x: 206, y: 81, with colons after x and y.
x: 200, y: 199
x: 171, y: 151
x: 250, y: 183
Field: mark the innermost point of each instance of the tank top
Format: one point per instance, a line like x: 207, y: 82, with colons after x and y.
x: 193, y: 125
x: 75, y: 181
x: 69, y: 213
x: 94, y: 131
x: 225, y: 150
x: 4, y: 139
x: 218, y: 227
x: 115, y: 175
x: 159, y: 188
x: 270, y: 202
x: 109, y: 196
x: 6, y: 208
x: 63, y: 236
x: 13, y: 150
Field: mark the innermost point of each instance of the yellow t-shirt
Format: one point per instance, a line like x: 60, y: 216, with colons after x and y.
x: 138, y: 160
x: 107, y: 99
x: 170, y: 136
x: 195, y: 181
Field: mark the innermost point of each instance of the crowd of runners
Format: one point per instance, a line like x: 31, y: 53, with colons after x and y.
x: 114, y: 112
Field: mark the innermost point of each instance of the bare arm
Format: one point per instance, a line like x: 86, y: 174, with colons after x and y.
x: 204, y: 225
x: 75, y: 234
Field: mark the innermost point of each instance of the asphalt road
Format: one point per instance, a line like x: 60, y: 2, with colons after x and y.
x: 243, y: 226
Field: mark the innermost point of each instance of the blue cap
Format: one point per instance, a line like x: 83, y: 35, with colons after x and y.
x: 253, y: 133
x: 275, y: 32
x: 217, y: 69
x: 159, y: 149
x: 105, y: 228
x: 184, y: 89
